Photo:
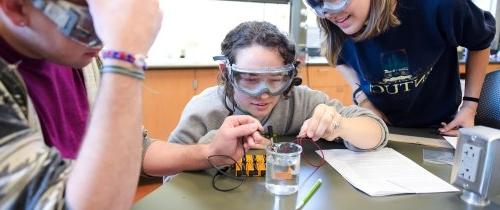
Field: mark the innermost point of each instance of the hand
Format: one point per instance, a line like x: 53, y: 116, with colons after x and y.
x: 320, y: 125
x: 464, y: 118
x: 234, y: 136
x: 126, y: 25
x: 257, y: 141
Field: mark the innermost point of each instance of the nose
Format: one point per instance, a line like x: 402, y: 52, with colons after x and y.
x: 264, y: 95
x: 331, y: 16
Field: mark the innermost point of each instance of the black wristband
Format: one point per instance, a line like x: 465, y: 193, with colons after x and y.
x: 354, y: 95
x: 467, y: 98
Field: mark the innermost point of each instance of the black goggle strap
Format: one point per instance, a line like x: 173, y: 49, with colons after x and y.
x: 225, y: 60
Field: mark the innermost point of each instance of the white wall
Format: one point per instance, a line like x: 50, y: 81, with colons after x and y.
x: 489, y: 5
x: 197, y: 27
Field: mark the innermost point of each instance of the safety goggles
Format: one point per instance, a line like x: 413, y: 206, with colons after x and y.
x: 255, y: 82
x: 72, y: 20
x: 322, y: 7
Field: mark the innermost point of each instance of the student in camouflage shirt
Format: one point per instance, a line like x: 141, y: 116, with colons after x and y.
x: 35, y: 176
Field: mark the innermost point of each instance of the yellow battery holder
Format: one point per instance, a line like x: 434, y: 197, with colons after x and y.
x: 255, y: 165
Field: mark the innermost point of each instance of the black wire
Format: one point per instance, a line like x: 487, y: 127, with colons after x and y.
x: 214, y: 180
x: 231, y: 111
x: 222, y: 171
x: 243, y: 160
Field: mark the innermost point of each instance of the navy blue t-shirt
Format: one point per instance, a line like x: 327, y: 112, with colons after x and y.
x: 410, y: 72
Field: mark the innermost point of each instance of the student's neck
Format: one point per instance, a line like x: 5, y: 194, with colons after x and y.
x: 17, y: 43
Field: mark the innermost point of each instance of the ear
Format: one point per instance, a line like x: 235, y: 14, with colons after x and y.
x: 222, y: 68
x: 16, y: 11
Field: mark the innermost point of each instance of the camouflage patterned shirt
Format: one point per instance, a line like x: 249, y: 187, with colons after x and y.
x: 32, y: 175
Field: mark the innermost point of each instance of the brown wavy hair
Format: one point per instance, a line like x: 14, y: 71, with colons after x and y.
x: 381, y: 18
x: 245, y: 35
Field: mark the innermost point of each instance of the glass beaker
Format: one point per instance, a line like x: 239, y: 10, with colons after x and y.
x: 283, y: 168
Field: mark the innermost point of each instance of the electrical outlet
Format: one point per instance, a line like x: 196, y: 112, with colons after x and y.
x: 475, y: 167
x: 469, y: 162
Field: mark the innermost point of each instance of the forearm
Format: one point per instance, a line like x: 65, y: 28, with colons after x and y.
x: 353, y: 80
x: 475, y: 71
x: 361, y: 132
x: 163, y: 159
x: 107, y: 169
x: 349, y: 75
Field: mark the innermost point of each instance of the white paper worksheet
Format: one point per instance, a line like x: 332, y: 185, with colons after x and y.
x: 384, y: 172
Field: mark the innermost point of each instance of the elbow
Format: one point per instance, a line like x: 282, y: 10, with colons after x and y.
x: 379, y: 138
x: 371, y: 145
x: 155, y: 163
x: 153, y: 168
x: 382, y: 134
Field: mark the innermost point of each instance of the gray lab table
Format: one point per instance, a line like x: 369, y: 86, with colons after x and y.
x: 193, y: 190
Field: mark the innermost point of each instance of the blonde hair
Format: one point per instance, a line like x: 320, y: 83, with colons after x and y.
x: 380, y: 19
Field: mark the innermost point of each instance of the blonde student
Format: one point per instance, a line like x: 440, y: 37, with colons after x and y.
x: 400, y: 57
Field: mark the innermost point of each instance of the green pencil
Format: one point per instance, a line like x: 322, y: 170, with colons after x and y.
x: 309, y: 194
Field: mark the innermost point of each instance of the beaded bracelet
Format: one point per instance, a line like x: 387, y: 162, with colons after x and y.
x: 123, y: 71
x: 137, y: 60
x: 354, y: 94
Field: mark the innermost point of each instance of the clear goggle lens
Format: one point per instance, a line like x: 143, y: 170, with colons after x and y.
x: 321, y: 8
x: 74, y: 21
x: 255, y: 82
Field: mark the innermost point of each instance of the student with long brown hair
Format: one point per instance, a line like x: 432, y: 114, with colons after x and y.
x: 400, y: 56
x: 259, y: 78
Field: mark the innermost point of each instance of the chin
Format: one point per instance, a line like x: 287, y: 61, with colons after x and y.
x: 78, y: 63
x: 353, y: 30
x: 81, y: 63
x: 350, y: 31
x: 260, y: 114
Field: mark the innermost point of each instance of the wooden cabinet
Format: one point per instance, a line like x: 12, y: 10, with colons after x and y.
x: 166, y: 93
x: 204, y: 78
x: 304, y: 75
x: 330, y: 81
x: 491, y: 67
